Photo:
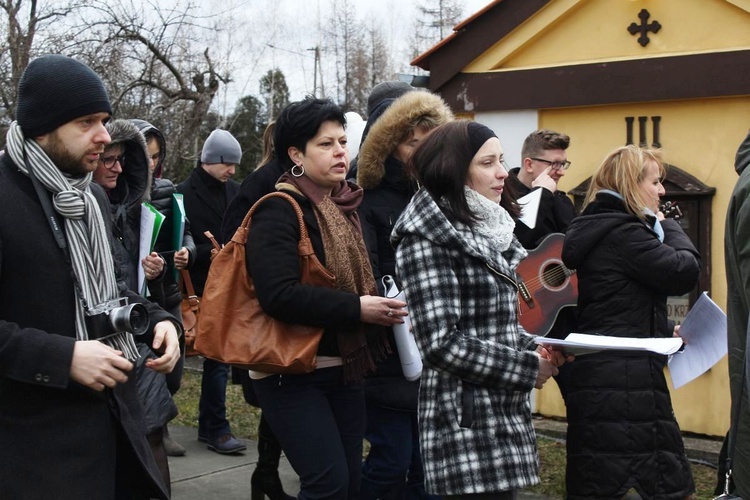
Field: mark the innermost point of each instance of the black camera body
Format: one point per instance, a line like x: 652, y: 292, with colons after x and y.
x: 116, y: 316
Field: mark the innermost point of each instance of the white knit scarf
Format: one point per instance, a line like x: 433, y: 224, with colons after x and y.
x: 85, y: 231
x: 494, y: 223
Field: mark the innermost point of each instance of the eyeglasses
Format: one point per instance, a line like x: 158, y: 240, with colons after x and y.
x: 556, y: 165
x: 109, y: 161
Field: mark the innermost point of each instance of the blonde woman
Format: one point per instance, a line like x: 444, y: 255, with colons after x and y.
x: 622, y: 433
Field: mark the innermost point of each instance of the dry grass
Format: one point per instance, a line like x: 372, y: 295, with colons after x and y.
x: 244, y: 420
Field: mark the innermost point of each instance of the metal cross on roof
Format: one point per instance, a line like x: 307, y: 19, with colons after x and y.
x: 644, y: 27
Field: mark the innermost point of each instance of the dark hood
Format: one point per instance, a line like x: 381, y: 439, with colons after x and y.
x: 133, y: 185
x: 147, y: 129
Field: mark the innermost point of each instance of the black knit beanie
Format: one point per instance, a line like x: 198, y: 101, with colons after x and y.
x: 56, y: 89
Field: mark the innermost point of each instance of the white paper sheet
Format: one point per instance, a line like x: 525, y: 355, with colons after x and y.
x: 705, y: 334
x: 178, y: 225
x: 580, y: 343
x: 530, y: 207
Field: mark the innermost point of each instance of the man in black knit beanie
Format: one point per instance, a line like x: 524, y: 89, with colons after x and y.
x: 71, y: 424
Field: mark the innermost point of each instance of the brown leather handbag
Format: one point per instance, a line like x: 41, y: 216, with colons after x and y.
x: 190, y: 309
x: 232, y: 326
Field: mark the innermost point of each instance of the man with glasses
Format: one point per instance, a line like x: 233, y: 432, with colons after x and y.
x: 543, y: 163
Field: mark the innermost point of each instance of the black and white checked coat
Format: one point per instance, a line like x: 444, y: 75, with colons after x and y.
x: 475, y: 424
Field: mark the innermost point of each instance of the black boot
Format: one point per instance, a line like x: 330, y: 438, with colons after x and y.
x: 265, y: 480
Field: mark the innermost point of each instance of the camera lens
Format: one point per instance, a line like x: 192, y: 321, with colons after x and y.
x: 132, y: 318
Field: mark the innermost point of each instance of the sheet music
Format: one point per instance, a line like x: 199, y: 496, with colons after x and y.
x: 580, y: 343
x: 530, y: 207
x: 705, y: 334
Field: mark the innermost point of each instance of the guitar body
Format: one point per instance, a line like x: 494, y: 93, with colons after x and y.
x: 546, y: 286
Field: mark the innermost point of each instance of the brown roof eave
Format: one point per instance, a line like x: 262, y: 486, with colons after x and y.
x: 473, y: 37
x: 718, y: 74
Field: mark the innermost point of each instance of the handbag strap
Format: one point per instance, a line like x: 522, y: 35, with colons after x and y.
x: 187, y: 285
x: 187, y: 282
x: 278, y: 194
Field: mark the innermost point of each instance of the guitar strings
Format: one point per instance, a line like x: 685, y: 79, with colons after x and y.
x: 558, y: 274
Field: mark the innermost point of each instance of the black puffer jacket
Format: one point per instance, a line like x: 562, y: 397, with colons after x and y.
x: 164, y: 290
x: 256, y: 185
x: 387, y: 193
x: 622, y: 432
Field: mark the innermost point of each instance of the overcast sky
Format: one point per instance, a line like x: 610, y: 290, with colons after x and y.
x: 279, y: 33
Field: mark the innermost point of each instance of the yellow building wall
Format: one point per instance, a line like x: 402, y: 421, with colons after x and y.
x: 585, y: 31
x: 700, y: 137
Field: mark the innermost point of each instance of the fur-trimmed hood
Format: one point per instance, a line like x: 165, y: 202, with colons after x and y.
x: 385, y: 134
x: 134, y: 184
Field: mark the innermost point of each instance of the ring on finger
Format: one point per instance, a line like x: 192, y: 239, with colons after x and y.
x: 390, y: 312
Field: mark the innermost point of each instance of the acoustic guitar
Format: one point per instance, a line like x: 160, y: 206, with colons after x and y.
x: 546, y: 286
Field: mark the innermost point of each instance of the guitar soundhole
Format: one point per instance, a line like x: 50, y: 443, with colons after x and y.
x: 554, y: 275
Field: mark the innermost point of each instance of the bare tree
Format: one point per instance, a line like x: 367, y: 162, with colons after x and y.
x: 274, y: 93
x: 381, y: 67
x: 158, y: 58
x: 435, y: 20
x: 343, y: 35
x: 23, y: 19
x: 360, y: 55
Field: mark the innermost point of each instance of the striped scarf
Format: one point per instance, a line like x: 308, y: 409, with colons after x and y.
x: 90, y: 253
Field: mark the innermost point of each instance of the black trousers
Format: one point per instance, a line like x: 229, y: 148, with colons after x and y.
x: 320, y: 423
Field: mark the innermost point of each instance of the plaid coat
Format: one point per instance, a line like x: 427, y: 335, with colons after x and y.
x: 475, y: 424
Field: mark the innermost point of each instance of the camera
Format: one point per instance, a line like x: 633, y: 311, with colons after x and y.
x: 116, y: 316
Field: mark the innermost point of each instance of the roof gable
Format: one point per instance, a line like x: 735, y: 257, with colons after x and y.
x: 583, y: 31
x: 510, y: 35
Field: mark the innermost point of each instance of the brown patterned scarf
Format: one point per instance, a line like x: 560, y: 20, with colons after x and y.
x: 347, y: 258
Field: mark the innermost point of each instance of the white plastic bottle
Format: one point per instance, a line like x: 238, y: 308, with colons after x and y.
x: 408, y: 354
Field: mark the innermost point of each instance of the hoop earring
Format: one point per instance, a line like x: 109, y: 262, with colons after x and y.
x: 300, y: 172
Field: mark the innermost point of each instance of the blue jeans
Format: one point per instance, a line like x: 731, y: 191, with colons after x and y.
x: 320, y: 423
x: 393, y: 468
x: 212, y: 409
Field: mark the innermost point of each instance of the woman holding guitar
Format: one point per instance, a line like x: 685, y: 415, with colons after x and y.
x: 622, y: 433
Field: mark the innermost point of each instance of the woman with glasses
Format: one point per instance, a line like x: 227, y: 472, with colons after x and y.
x: 622, y: 433
x: 126, y: 187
